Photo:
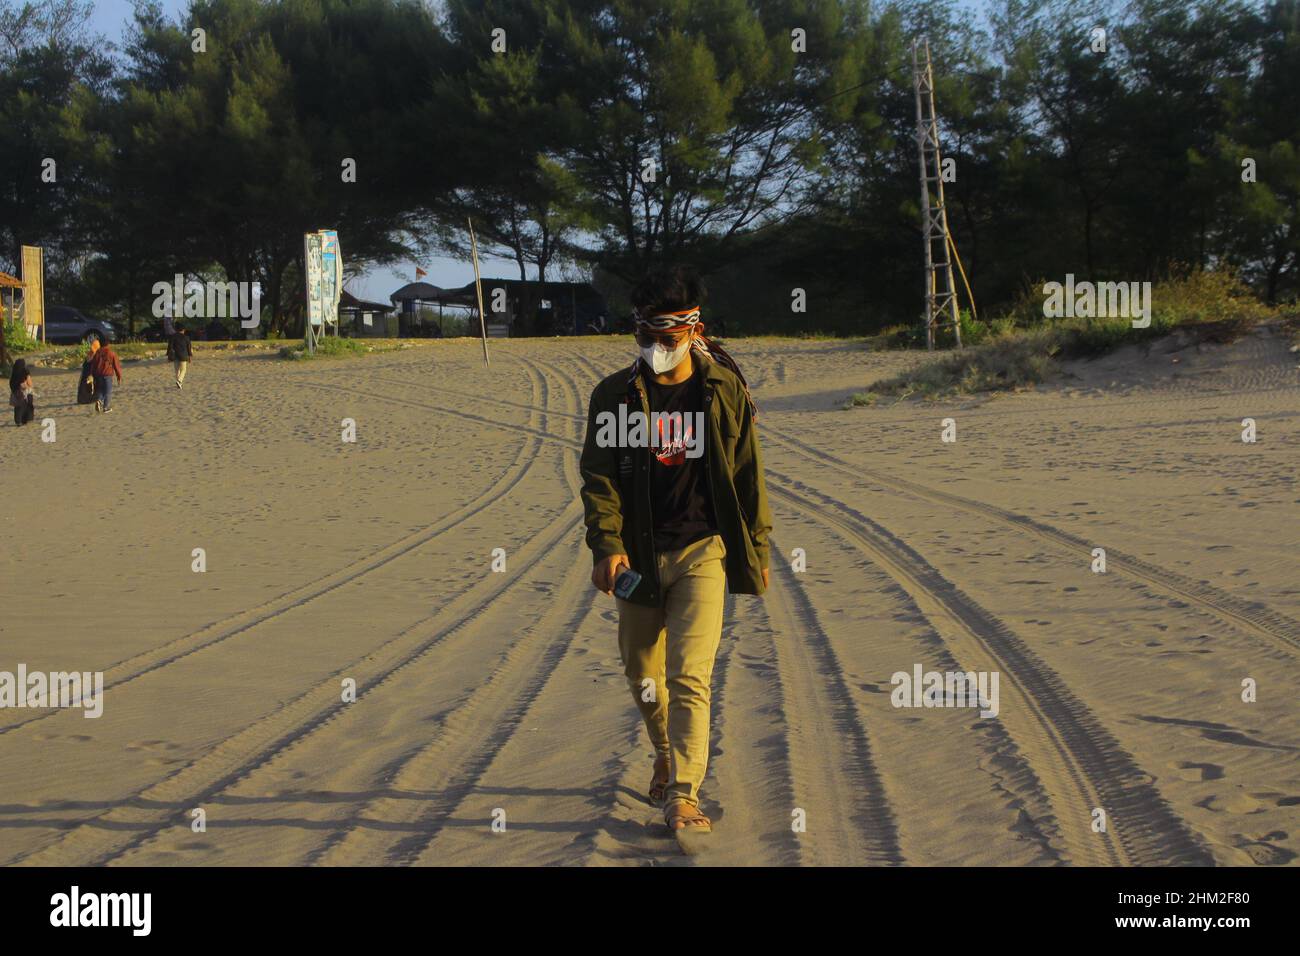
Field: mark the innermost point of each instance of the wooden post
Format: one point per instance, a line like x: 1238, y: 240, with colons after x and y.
x: 478, y: 288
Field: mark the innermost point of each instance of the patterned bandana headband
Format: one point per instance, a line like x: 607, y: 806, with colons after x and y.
x: 670, y: 321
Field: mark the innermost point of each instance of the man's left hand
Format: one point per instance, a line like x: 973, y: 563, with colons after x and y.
x: 765, y: 577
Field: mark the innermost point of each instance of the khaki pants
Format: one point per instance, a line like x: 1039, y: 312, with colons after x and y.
x: 668, y: 658
x: 180, y: 371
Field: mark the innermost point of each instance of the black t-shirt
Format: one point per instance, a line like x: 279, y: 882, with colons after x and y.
x: 679, y: 487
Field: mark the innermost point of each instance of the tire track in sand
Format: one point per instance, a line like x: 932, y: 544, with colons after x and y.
x: 1078, y: 762
x: 113, y: 831
x: 829, y: 748
x: 131, y: 668
x: 1276, y: 628
x: 450, y: 767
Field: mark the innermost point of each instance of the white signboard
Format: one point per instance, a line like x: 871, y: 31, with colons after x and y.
x: 312, y: 257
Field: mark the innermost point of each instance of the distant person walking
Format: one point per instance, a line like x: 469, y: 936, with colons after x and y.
x: 180, y: 353
x: 86, y: 381
x: 21, y: 394
x: 688, y: 515
x: 104, y: 366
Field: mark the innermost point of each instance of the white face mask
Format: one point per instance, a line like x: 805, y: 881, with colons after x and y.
x: 663, y: 360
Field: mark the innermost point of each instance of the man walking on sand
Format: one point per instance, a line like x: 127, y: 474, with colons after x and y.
x: 179, y: 353
x: 682, y: 504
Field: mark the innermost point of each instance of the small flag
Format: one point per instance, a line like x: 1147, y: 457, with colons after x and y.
x: 420, y: 273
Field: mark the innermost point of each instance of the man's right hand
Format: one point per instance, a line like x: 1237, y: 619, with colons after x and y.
x: 607, y: 571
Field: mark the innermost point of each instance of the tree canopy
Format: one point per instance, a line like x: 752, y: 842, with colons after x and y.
x: 771, y: 142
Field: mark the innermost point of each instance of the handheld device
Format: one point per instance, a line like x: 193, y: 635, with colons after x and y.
x: 626, y: 583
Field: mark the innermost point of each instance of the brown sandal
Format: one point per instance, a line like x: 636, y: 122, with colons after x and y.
x: 690, y: 818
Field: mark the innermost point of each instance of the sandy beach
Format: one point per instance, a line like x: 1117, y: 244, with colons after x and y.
x: 487, y: 695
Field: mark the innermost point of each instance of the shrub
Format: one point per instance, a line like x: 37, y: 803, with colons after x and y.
x: 898, y: 337
x: 16, y: 338
x: 329, y: 347
x: 1022, y: 348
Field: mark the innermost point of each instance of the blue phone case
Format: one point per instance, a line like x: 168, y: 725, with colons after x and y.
x: 626, y: 583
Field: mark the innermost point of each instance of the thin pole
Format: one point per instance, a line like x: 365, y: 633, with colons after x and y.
x: 308, y: 342
x: 478, y: 288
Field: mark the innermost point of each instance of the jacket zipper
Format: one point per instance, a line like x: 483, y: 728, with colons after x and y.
x: 648, y: 530
x: 708, y: 452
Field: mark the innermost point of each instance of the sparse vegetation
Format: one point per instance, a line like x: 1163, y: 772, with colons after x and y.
x: 1023, y: 348
x: 336, y: 347
x: 17, y: 340
x: 70, y: 356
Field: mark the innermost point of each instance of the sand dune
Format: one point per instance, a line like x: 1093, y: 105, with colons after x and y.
x: 485, y: 694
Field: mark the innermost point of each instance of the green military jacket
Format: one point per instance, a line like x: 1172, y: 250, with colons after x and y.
x: 616, y: 483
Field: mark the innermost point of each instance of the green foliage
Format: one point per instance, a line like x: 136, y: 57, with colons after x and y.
x: 72, y: 356
x: 977, y: 331
x: 1010, y: 363
x: 773, y: 169
x: 17, y: 340
x: 331, y: 346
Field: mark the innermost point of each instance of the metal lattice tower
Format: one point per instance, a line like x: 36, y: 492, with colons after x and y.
x: 940, y: 293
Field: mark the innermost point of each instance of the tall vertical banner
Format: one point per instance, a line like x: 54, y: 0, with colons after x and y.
x: 331, y: 283
x: 34, y: 290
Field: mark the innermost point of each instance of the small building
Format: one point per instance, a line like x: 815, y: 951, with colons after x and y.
x: 513, y: 307
x: 364, y: 319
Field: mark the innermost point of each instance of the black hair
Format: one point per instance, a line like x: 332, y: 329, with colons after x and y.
x: 668, y: 289
x: 18, y: 375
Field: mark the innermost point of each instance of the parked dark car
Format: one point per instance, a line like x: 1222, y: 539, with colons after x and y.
x: 153, y: 332
x: 64, y: 324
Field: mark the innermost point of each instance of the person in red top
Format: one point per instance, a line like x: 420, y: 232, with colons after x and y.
x: 104, y: 366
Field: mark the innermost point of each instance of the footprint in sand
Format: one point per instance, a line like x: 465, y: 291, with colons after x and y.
x: 1197, y: 771
x: 1235, y: 803
x: 1266, y: 854
x: 152, y: 745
